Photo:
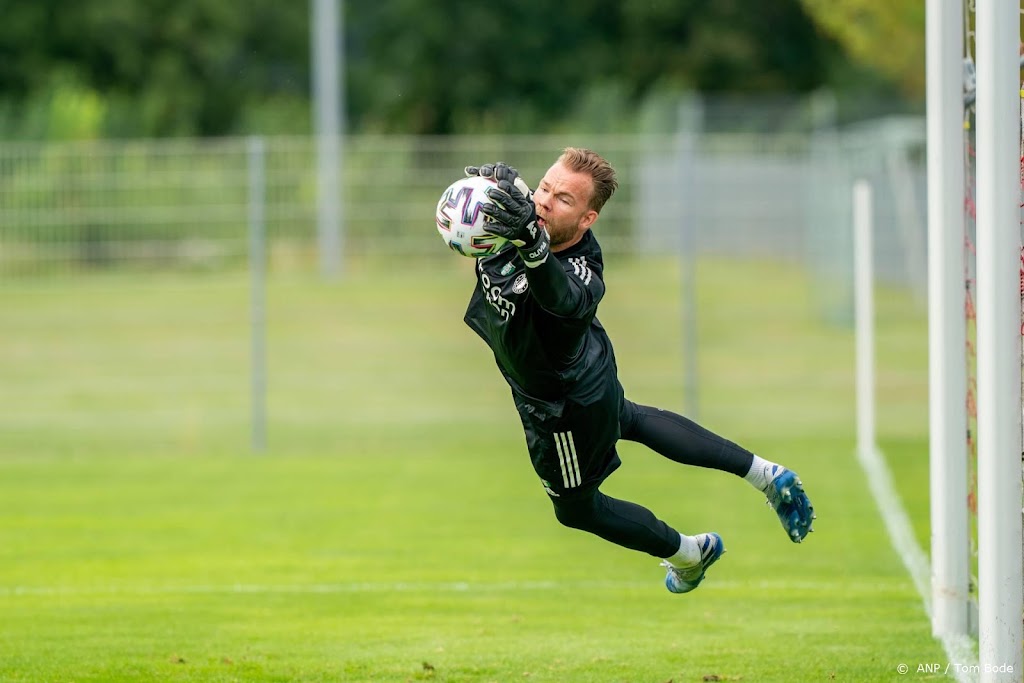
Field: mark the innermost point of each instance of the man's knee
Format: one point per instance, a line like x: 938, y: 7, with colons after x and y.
x: 579, y: 512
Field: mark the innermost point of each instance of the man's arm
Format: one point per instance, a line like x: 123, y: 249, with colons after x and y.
x: 514, y: 217
x: 561, y: 294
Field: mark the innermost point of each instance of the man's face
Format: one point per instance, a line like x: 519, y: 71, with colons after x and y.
x: 562, y: 198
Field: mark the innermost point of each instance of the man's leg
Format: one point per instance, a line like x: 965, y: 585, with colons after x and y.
x: 637, y: 528
x: 572, y: 448
x: 621, y: 522
x: 684, y: 441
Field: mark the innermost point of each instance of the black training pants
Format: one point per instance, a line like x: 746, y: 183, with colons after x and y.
x: 572, y: 447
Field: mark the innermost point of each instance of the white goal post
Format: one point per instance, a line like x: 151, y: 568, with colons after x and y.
x: 1000, y: 562
x: 947, y: 337
x: 1000, y: 578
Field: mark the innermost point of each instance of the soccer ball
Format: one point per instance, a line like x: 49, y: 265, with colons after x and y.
x: 460, y: 220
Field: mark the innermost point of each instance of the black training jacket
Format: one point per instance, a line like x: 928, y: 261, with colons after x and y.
x: 541, y: 322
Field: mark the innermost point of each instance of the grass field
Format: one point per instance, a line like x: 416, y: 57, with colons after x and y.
x: 394, y: 530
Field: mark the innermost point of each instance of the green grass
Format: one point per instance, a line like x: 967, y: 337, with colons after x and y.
x: 394, y: 531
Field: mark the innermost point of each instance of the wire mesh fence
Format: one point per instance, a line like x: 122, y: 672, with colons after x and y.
x: 102, y: 351
x: 80, y: 207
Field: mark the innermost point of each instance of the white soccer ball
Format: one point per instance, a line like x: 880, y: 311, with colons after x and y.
x: 460, y: 220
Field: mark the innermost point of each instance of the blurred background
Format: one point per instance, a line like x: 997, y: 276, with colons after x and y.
x: 205, y: 146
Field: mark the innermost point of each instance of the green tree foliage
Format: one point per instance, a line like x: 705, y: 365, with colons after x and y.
x: 216, y: 67
x: 187, y: 67
x: 887, y: 35
x: 487, y: 63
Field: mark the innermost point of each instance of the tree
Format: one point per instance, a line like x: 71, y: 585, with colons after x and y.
x: 210, y: 67
x: 887, y: 34
x: 419, y: 67
x: 187, y: 67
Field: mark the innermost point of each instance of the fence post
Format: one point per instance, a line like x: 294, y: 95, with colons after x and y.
x: 864, y: 315
x: 690, y: 122
x: 256, y: 159
x: 327, y: 20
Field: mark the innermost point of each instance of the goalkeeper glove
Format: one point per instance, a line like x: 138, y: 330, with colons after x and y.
x: 512, y: 215
x: 500, y: 171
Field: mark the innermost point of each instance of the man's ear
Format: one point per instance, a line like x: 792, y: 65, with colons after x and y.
x: 588, y: 219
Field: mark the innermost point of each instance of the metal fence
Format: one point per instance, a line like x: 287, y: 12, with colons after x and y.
x: 133, y: 363
x: 73, y: 207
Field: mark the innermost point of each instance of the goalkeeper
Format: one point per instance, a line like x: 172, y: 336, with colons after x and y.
x: 535, y: 306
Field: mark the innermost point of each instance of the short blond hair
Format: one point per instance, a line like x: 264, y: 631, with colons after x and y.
x: 582, y: 160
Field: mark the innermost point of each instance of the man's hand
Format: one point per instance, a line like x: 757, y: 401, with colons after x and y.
x: 512, y: 215
x: 500, y: 171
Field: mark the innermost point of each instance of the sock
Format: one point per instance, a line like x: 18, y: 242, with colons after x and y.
x: 688, y: 554
x: 761, y: 473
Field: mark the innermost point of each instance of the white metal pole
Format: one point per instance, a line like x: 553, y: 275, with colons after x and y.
x: 864, y: 315
x: 690, y: 122
x: 947, y: 336
x: 256, y: 157
x: 325, y: 30
x: 1000, y: 579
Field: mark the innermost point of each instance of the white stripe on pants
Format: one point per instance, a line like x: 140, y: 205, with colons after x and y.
x: 567, y: 459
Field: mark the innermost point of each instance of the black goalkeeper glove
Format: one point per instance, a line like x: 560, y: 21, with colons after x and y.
x: 512, y: 215
x: 500, y: 171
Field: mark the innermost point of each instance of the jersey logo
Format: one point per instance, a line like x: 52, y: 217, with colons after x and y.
x: 507, y: 268
x: 521, y: 283
x: 581, y: 269
x: 505, y: 308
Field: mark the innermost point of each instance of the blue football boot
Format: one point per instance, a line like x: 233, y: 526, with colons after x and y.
x: 786, y: 496
x: 685, y: 579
